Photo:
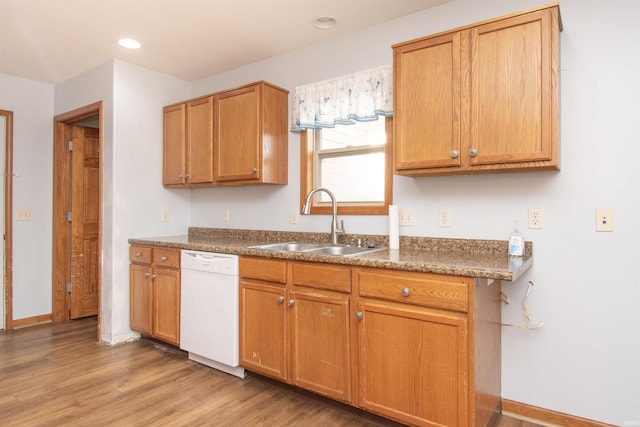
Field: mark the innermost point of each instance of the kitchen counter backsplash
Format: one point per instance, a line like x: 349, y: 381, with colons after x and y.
x: 461, y: 257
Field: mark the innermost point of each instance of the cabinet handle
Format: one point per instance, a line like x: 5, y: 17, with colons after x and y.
x: 147, y: 275
x: 163, y: 259
x: 473, y: 152
x: 405, y: 292
x: 291, y: 302
x: 280, y: 299
x: 138, y: 254
x: 359, y: 315
x: 454, y: 154
x: 254, y: 170
x: 186, y: 175
x: 153, y: 276
x: 180, y: 176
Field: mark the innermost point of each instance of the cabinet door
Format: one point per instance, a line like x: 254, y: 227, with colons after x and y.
x: 262, y: 328
x: 427, y: 103
x: 174, y: 143
x: 413, y: 364
x: 320, y: 354
x: 200, y: 140
x: 513, y: 90
x: 140, y: 295
x: 166, y: 305
x: 238, y: 129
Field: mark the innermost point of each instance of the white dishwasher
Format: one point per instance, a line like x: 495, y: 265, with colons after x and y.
x: 209, y: 310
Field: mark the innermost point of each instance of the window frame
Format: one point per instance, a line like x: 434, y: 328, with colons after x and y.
x: 307, y: 173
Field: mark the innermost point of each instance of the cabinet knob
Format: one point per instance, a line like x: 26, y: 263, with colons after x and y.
x: 163, y: 259
x: 254, y: 170
x: 138, y: 254
x: 180, y: 176
x: 186, y: 175
x: 473, y: 152
x: 147, y: 275
x: 359, y: 315
x: 280, y: 299
x: 405, y: 292
x: 454, y: 154
x: 291, y: 302
x: 153, y: 276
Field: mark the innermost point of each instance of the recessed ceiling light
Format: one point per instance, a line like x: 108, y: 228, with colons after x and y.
x: 129, y: 43
x: 324, y: 22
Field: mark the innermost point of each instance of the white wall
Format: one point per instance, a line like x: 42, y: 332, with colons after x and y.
x: 585, y: 360
x: 32, y: 105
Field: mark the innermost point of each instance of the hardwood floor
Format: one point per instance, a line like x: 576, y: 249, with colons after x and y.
x: 57, y: 375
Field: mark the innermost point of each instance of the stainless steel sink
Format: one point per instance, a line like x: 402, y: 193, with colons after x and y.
x: 318, y: 248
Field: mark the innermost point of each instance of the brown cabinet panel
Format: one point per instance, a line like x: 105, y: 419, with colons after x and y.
x: 271, y: 270
x: 166, y: 305
x: 200, y: 141
x: 174, y: 145
x: 140, y: 298
x: 322, y: 276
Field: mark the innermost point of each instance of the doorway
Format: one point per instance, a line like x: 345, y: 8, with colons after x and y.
x: 77, y: 214
x: 6, y: 195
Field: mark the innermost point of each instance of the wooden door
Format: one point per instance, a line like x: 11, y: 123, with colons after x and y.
x: 413, y: 364
x: 238, y: 130
x: 140, y: 298
x: 511, y: 90
x: 85, y: 208
x: 200, y: 141
x: 320, y: 356
x: 427, y: 103
x: 166, y: 304
x: 174, y: 145
x: 262, y: 328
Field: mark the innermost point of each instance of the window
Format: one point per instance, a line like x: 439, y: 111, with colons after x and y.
x: 354, y: 162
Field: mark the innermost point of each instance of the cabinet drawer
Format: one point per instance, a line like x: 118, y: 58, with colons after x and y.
x: 322, y: 276
x: 431, y: 290
x: 140, y: 254
x: 166, y: 257
x: 271, y: 270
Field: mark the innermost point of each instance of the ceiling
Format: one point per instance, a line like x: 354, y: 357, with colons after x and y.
x: 54, y: 40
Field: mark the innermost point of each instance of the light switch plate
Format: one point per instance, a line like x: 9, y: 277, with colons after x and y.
x: 604, y: 219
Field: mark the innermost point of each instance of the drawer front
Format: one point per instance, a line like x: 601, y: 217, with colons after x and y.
x: 140, y: 254
x: 322, y: 276
x: 166, y: 257
x: 430, y: 290
x: 271, y: 270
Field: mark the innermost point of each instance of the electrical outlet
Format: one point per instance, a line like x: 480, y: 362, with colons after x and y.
x: 294, y: 216
x: 536, y: 218
x: 445, y: 217
x: 604, y: 219
x: 23, y: 215
x: 406, y: 217
x: 164, y: 215
x: 225, y: 215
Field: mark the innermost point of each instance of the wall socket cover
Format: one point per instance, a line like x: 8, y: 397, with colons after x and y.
x: 604, y: 219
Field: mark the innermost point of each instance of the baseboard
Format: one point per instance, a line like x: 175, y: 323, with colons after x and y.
x: 30, y: 321
x: 546, y: 416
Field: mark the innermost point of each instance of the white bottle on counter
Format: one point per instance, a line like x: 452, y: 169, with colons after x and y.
x: 516, y: 242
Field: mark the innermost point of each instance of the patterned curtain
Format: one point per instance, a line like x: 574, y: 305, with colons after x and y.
x: 361, y: 96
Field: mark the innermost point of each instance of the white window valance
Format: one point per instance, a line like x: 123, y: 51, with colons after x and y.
x: 360, y: 96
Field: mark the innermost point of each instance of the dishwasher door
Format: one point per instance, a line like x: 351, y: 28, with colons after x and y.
x: 209, y: 302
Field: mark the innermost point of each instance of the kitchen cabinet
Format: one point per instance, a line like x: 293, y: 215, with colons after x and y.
x: 233, y: 137
x: 482, y: 98
x: 320, y: 334
x: 418, y: 335
x: 263, y: 322
x: 251, y: 135
x: 188, y: 143
x: 154, y: 286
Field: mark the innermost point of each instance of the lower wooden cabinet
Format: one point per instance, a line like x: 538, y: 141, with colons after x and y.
x: 154, y: 292
x: 419, y: 348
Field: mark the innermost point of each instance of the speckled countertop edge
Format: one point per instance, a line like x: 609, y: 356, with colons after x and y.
x: 459, y: 257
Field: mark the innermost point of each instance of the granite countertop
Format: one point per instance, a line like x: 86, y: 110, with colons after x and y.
x: 459, y: 257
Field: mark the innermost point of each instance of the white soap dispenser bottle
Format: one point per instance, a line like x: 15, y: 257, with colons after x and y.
x: 516, y: 242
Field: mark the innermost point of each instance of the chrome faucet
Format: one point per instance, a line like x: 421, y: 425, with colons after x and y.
x: 335, y: 229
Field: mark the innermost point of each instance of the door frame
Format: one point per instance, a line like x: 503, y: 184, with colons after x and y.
x: 8, y: 221
x: 61, y: 200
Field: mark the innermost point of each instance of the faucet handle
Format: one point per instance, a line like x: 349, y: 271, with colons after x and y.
x: 341, y: 228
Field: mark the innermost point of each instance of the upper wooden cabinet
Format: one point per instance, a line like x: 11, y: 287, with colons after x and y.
x: 235, y: 137
x: 482, y: 98
x: 251, y: 135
